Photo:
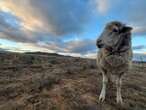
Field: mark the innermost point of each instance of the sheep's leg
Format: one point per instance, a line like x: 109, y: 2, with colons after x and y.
x: 118, y: 86
x: 104, y: 85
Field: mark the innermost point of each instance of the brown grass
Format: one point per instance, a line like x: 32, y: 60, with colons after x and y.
x: 64, y: 83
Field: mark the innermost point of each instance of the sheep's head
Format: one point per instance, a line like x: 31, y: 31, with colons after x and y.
x: 116, y: 36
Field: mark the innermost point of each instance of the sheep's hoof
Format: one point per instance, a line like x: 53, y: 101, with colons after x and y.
x: 101, y: 97
x: 120, y: 101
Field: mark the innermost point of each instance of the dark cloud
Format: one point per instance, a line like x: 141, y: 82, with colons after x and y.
x: 62, y: 16
x: 134, y: 12
x: 11, y: 30
x: 139, y: 47
x: 137, y: 12
x: 3, y: 50
x: 130, y: 12
x: 58, y: 17
x: 81, y: 46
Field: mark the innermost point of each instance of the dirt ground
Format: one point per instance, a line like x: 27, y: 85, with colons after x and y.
x: 40, y: 81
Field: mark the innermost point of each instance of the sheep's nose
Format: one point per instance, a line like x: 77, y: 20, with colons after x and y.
x: 99, y: 43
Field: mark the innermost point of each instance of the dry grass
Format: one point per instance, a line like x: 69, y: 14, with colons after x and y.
x: 63, y: 83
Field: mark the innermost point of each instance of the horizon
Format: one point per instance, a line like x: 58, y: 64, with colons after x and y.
x: 136, y: 57
x: 67, y: 27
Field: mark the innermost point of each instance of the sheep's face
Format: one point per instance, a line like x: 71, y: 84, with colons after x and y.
x: 115, y: 35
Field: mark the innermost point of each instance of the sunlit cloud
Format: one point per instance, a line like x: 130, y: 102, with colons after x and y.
x: 102, y: 6
x: 53, y: 16
x: 25, y: 47
x: 22, y: 10
x: 140, y: 30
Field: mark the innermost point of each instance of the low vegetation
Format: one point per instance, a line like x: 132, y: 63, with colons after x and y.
x: 41, y: 81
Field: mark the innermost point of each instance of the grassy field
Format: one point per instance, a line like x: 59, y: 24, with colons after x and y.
x: 39, y: 81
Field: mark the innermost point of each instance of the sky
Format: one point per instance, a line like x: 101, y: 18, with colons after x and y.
x: 68, y: 27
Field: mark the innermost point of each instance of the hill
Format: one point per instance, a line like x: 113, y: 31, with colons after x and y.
x: 40, y: 81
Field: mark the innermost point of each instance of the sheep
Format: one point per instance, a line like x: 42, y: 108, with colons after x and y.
x: 114, y: 56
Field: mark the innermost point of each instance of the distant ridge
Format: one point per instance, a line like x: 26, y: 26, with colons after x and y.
x: 137, y: 57
x: 42, y: 53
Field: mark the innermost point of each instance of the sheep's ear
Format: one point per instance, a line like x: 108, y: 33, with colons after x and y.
x: 127, y: 29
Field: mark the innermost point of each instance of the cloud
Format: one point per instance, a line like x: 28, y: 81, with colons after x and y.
x: 139, y: 47
x: 81, y: 46
x: 25, y: 47
x: 130, y: 12
x: 3, y: 50
x: 139, y: 30
x: 57, y: 17
x: 77, y: 48
x: 11, y: 30
x: 53, y: 16
x: 102, y: 6
x: 42, y: 20
x: 134, y: 12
